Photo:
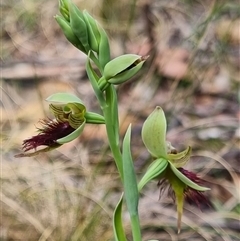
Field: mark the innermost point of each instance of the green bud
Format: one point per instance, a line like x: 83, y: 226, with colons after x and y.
x: 153, y: 171
x: 122, y: 68
x: 94, y: 118
x: 154, y: 133
x: 64, y: 10
x: 93, y: 33
x: 67, y: 30
x: 79, y: 26
x: 98, y: 39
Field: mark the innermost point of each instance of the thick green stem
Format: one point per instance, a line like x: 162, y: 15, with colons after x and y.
x: 113, y: 141
x: 136, y: 230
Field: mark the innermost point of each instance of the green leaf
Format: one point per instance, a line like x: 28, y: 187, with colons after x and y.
x: 119, y: 233
x: 130, y: 181
x: 75, y: 134
x: 64, y: 98
x: 186, y: 180
x: 153, y: 171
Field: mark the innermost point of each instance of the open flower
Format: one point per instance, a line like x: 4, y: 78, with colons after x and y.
x: 168, y: 166
x: 70, y: 119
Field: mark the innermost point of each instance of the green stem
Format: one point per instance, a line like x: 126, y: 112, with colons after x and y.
x: 113, y: 138
x: 136, y: 231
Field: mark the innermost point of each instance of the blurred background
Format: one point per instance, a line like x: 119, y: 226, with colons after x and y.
x: 193, y: 73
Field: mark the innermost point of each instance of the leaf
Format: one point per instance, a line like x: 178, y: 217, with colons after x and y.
x: 120, y: 64
x: 64, y: 98
x: 119, y: 233
x: 186, y: 180
x: 129, y: 176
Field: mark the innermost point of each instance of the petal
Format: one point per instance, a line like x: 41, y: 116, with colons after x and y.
x: 72, y: 135
x: 180, y: 159
x: 186, y: 180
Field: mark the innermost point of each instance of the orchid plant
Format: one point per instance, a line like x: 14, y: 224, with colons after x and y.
x: 71, y: 116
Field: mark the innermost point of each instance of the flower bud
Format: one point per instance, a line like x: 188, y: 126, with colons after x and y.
x: 122, y: 68
x: 154, y: 133
x: 64, y: 10
x: 67, y: 30
x: 79, y: 26
x: 98, y: 40
x: 93, y: 33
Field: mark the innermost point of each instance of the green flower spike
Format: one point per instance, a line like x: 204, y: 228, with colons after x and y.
x: 98, y: 40
x: 68, y: 32
x: 121, y: 69
x: 168, y: 165
x: 70, y: 118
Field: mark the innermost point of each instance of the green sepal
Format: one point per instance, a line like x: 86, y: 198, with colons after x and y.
x: 78, y: 25
x: 94, y: 118
x: 154, y: 133
x: 118, y: 68
x: 64, y: 98
x: 93, y: 33
x: 67, y: 31
x: 118, y: 230
x: 153, y: 171
x: 119, y: 64
x: 125, y: 75
x: 186, y: 180
x: 75, y: 134
x: 180, y: 159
